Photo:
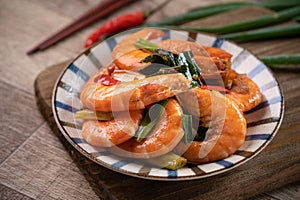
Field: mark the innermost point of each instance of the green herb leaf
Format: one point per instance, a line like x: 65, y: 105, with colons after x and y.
x: 193, y: 73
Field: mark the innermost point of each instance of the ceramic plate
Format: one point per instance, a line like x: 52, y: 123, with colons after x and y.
x: 262, y: 122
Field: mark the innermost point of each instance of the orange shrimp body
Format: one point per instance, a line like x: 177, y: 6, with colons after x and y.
x: 244, y: 92
x: 127, y: 56
x: 114, y: 132
x: 132, y: 95
x: 227, y: 126
x: 163, y: 138
x: 208, y: 58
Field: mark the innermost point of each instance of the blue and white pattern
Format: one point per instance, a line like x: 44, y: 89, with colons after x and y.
x: 263, y: 121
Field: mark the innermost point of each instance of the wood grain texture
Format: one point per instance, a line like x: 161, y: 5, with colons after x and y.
x: 42, y: 169
x: 16, y: 126
x: 8, y: 193
x: 277, y: 165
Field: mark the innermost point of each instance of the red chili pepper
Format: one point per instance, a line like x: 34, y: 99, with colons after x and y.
x: 106, y: 80
x: 213, y: 87
x: 115, y: 25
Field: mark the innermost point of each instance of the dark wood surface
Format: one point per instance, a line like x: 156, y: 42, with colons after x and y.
x: 36, y: 162
x: 277, y: 165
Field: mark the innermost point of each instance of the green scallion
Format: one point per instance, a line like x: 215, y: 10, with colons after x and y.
x: 265, y: 33
x: 94, y: 115
x: 292, y: 59
x: 169, y: 161
x: 187, y: 124
x: 150, y: 120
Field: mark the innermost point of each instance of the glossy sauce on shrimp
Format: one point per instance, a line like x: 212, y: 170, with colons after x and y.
x: 121, y: 89
x: 166, y: 135
x: 226, y: 126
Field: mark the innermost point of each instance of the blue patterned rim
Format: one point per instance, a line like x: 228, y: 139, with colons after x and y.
x: 263, y: 121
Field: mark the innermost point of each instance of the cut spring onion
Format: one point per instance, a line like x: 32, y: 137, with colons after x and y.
x: 265, y: 33
x: 205, y: 11
x: 266, y: 20
x: 169, y: 161
x: 198, y: 14
x: 292, y: 59
x: 94, y: 115
x: 187, y: 124
x: 145, y: 44
x: 150, y: 120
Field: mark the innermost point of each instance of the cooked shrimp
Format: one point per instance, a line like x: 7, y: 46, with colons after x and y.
x: 227, y: 126
x: 164, y: 137
x: 127, y: 56
x: 208, y: 58
x: 243, y: 91
x: 114, y: 132
x: 132, y: 95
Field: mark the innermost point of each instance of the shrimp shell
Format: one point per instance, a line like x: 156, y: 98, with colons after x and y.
x: 164, y: 137
x: 208, y: 58
x: 127, y: 56
x: 227, y: 127
x: 244, y: 91
x: 113, y: 132
x: 132, y: 95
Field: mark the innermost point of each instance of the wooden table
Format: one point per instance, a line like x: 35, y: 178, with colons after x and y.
x: 34, y: 162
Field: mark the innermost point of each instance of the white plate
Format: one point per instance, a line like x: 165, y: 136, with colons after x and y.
x: 262, y: 121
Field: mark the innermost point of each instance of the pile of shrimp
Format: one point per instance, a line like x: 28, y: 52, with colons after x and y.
x: 128, y: 94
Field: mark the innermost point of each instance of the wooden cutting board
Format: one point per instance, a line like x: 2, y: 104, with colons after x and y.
x: 277, y: 165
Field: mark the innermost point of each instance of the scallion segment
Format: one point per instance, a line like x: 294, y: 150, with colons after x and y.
x: 187, y: 124
x: 205, y: 11
x: 145, y: 44
x: 292, y: 59
x: 266, y: 20
x: 93, y: 115
x: 151, y: 118
x: 169, y: 161
x: 198, y: 14
x: 265, y: 33
x: 276, y: 5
